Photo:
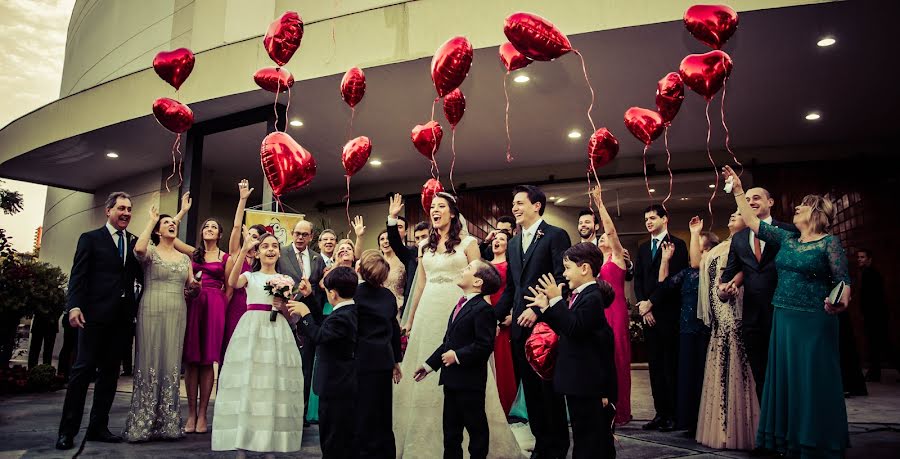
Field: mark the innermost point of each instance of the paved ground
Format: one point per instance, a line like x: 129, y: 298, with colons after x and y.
x: 28, y: 429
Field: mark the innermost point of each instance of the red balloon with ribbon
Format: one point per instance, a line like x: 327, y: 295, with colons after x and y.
x: 712, y: 25
x: 283, y: 37
x: 427, y: 140
x: 177, y: 118
x: 174, y: 67
x: 353, y: 88
x: 431, y: 187
x: 354, y: 156
x: 454, y: 109
x: 451, y: 64
x: 646, y: 126
x: 274, y: 79
x: 669, y: 96
x: 286, y: 165
x: 512, y: 60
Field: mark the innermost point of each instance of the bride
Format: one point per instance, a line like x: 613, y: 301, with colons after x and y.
x: 418, y: 406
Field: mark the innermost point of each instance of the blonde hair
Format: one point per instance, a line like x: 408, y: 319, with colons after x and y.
x: 821, y: 213
x: 373, y: 268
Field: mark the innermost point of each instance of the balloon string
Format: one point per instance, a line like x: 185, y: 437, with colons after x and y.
x: 288, y: 107
x: 715, y: 169
x: 175, y: 163
x: 333, y: 45
x: 588, y: 80
x: 727, y: 136
x: 350, y: 127
x: 435, y: 171
x: 590, y: 196
x: 509, y: 157
x: 453, y: 161
x: 646, y: 180
x: 348, y: 201
x: 275, y: 105
x: 433, y: 104
x: 668, y: 168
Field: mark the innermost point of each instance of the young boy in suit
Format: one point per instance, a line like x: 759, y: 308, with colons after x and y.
x: 464, y: 355
x: 585, y: 370
x: 335, y: 379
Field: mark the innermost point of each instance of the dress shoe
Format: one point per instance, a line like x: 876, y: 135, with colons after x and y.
x: 667, y: 426
x: 653, y: 424
x: 103, y: 436
x: 64, y: 442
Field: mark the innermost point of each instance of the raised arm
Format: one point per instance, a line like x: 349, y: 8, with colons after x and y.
x: 359, y: 228
x: 180, y: 245
x: 140, y: 247
x: 234, y: 276
x: 668, y: 249
x: 695, y: 251
x: 397, y: 245
x: 737, y: 189
x: 234, y: 242
x: 618, y: 252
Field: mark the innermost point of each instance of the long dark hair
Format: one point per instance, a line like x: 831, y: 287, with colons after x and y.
x: 200, y: 251
x: 260, y: 229
x: 453, y: 238
x: 257, y: 265
x: 154, y: 236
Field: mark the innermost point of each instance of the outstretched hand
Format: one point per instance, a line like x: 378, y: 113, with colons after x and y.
x: 668, y: 250
x: 596, y: 194
x: 244, y: 189
x: 549, y: 287
x: 395, y: 206
x: 696, y: 225
x: 420, y: 373
x: 186, y: 201
x: 736, y: 186
x: 359, y: 228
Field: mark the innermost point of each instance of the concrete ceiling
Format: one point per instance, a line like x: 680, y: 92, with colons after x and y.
x: 780, y: 75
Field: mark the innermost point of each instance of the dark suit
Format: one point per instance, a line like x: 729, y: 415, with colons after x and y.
x: 585, y: 370
x: 377, y: 350
x: 471, y: 336
x: 288, y: 264
x: 103, y: 288
x: 662, y: 339
x: 760, y: 280
x: 546, y: 408
x: 408, y: 255
x: 335, y: 379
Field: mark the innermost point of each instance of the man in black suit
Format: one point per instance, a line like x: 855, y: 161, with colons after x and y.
x: 660, y: 319
x: 463, y: 356
x: 756, y: 260
x: 585, y: 368
x: 299, y: 261
x: 537, y: 249
x: 101, y: 305
x: 336, y: 369
x: 875, y: 315
x: 396, y: 231
x: 504, y: 223
x: 378, y: 356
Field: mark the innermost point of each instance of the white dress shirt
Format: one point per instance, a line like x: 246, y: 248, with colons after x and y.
x: 529, y: 233
x: 304, y: 255
x: 577, y: 291
x: 469, y: 297
x: 762, y: 243
x: 342, y: 304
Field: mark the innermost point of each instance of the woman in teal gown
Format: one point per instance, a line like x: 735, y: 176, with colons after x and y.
x: 803, y: 413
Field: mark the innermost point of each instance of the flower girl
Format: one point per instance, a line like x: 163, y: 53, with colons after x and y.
x: 259, y: 405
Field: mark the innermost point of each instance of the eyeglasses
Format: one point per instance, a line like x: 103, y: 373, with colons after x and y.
x: 303, y: 235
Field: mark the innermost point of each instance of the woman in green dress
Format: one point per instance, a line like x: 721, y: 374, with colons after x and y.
x: 344, y: 256
x: 802, y: 410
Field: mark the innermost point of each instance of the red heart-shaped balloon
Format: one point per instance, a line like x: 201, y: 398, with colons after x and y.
x: 173, y: 115
x: 454, y: 107
x: 429, y: 189
x: 283, y: 37
x: 669, y: 96
x: 602, y: 148
x: 706, y: 73
x: 511, y: 58
x: 174, y: 66
x: 356, y: 154
x: 711, y: 24
x: 353, y: 86
x: 427, y: 138
x: 286, y: 165
x: 451, y: 64
x: 535, y: 37
x: 541, y: 349
x: 273, y: 79
x: 644, y: 124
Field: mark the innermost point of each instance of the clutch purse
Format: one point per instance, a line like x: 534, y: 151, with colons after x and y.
x: 836, y: 293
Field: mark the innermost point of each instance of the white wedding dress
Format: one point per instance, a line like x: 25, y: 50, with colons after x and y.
x: 418, y: 407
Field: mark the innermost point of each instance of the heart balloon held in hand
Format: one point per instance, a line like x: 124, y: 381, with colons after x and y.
x: 427, y: 138
x: 356, y: 154
x: 602, y: 148
x: 644, y: 124
x: 287, y: 165
x: 173, y: 115
x: 274, y: 79
x: 429, y: 189
x: 669, y: 96
x: 174, y: 66
x: 353, y: 86
x: 705, y: 73
x: 451, y: 64
x: 511, y: 58
x: 283, y: 37
x: 454, y: 107
x: 535, y: 37
x: 711, y: 24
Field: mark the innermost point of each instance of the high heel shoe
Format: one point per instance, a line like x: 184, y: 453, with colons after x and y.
x: 190, y: 425
x: 202, y: 427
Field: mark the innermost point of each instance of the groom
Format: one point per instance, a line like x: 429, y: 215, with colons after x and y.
x: 101, y: 305
x: 537, y: 249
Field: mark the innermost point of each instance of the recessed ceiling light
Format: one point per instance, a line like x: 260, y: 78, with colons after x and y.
x: 560, y: 200
x: 574, y: 134
x: 521, y: 79
x: 812, y: 116
x: 112, y: 154
x: 712, y: 185
x: 827, y: 41
x: 375, y: 162
x: 652, y: 190
x: 296, y: 123
x: 684, y: 199
x: 552, y: 198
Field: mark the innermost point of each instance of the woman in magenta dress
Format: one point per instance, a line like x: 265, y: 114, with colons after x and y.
x: 503, y: 365
x: 613, y: 271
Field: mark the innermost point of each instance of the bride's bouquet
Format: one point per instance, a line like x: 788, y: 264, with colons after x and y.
x: 279, y: 286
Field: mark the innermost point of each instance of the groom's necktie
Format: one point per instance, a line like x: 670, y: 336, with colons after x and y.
x: 459, y: 306
x: 121, y: 245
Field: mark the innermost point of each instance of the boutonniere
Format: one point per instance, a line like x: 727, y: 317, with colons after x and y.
x: 538, y: 235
